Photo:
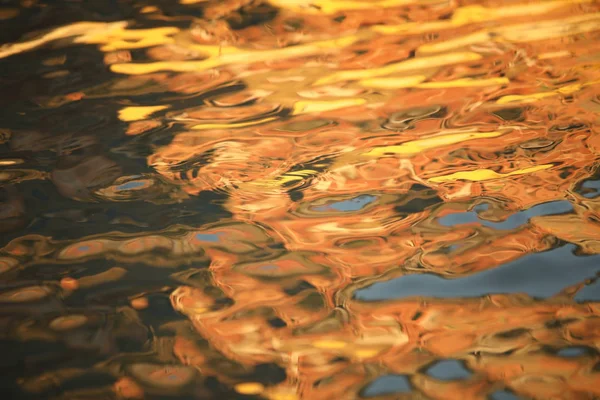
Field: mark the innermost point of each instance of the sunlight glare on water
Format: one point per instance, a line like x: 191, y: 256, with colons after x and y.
x: 300, y: 199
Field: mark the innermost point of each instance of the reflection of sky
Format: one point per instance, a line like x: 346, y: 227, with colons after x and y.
x: 591, y: 184
x: 388, y: 384
x: 354, y: 204
x: 131, y: 185
x: 208, y: 237
x: 448, y: 370
x: 539, y: 275
x: 504, y: 395
x: 589, y: 292
x: 572, y: 351
x: 514, y: 221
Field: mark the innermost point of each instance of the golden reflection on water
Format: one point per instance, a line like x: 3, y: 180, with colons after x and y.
x: 301, y: 199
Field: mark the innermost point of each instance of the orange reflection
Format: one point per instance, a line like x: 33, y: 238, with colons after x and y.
x: 340, y: 145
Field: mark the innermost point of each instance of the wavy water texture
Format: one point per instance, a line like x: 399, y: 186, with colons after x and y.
x: 303, y: 199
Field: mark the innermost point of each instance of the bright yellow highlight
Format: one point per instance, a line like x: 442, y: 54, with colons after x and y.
x: 416, y: 81
x: 465, y: 82
x: 334, y: 6
x: 486, y: 174
x: 527, y: 98
x: 403, y: 66
x: 13, y: 161
x: 393, y: 83
x: 219, y: 56
x: 316, y: 106
x: 121, y: 39
x: 554, y: 54
x: 84, y: 29
x: 452, y: 44
x: 285, y: 178
x: 249, y: 388
x: 233, y: 124
x: 420, y: 145
x: 279, y: 395
x: 136, y: 113
x: 519, y: 33
x: 148, y: 9
x: 330, y: 344
x: 477, y: 14
x: 366, y: 353
x: 113, y: 36
x: 530, y: 98
x: 545, y: 30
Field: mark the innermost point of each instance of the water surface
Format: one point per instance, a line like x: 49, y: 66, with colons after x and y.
x: 307, y: 199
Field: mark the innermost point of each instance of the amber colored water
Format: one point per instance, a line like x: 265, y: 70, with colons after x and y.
x: 300, y: 199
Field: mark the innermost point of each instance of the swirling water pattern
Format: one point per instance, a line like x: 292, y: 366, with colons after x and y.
x: 300, y: 199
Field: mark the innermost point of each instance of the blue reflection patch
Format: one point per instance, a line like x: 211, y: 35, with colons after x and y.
x: 575, y: 351
x: 589, y: 293
x: 131, y: 185
x: 350, y: 205
x: 514, y: 221
x: 388, y: 384
x: 448, y: 370
x: 539, y: 275
x: 503, y: 395
x: 592, y: 184
x: 208, y: 237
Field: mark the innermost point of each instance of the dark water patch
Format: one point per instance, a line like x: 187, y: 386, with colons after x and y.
x: 417, y: 199
x: 252, y: 14
x: 510, y: 114
x: 69, y: 219
x: 299, y: 288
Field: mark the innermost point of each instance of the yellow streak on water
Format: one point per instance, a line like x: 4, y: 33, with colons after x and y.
x: 464, y: 82
x: 240, y: 57
x: 281, y: 395
x: 249, y: 388
x: 317, y: 106
x: 81, y: 29
x: 417, y: 82
x: 393, y: 83
x: 329, y: 344
x: 334, y: 6
x: 233, y: 124
x: 420, y: 145
x: 529, y: 98
x: 403, y: 66
x: 120, y: 39
x: 486, y: 174
x: 282, y: 179
x: 137, y: 113
x: 368, y: 155
x: 476, y: 13
x: 526, y: 32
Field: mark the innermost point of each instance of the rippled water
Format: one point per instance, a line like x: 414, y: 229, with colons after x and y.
x: 300, y: 199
